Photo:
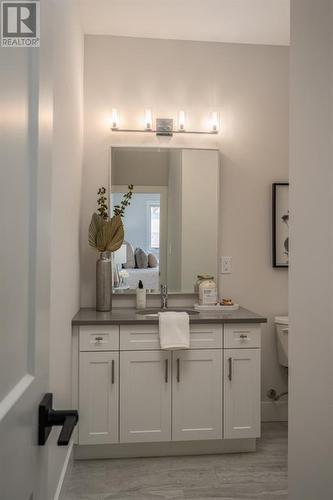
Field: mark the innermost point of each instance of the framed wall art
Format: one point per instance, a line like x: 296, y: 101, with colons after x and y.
x: 280, y: 224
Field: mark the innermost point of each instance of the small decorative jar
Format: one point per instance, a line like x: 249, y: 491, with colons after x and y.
x: 207, y: 290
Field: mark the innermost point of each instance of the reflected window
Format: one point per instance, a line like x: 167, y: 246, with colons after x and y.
x: 154, y: 227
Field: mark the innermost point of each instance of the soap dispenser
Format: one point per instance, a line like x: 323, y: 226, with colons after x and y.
x: 140, y: 296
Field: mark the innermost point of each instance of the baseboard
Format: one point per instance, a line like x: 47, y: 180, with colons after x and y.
x: 171, y: 448
x: 64, y: 470
x: 274, y: 411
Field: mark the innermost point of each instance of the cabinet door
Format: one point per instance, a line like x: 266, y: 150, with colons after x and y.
x: 98, y: 397
x: 197, y: 395
x: 145, y: 396
x: 241, y: 393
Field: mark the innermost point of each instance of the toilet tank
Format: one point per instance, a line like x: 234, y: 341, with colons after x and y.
x: 282, y: 331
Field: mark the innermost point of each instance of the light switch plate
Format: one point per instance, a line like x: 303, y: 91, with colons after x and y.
x: 226, y: 265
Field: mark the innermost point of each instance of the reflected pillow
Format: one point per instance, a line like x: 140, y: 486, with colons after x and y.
x: 152, y: 260
x: 141, y: 258
x: 130, y: 260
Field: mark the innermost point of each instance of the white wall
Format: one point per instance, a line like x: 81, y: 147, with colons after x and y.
x: 311, y: 277
x: 66, y: 200
x: 249, y: 85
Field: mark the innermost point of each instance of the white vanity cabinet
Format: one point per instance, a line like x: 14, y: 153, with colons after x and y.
x: 98, y: 397
x: 241, y: 381
x: 98, y: 384
x: 129, y: 391
x: 241, y: 393
x: 145, y: 396
x: 197, y: 394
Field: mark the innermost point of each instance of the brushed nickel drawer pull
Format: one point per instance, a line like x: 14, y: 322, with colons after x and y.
x: 178, y: 370
x: 230, y: 369
x: 166, y: 371
x: 112, y: 371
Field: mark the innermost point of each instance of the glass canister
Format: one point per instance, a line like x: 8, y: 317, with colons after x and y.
x: 207, y: 290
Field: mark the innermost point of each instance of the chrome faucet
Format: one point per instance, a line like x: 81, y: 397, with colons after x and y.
x: 164, y: 297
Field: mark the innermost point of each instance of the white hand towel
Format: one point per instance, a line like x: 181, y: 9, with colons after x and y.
x: 174, y: 328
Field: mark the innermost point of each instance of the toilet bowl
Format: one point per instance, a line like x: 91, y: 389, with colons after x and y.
x: 282, y: 330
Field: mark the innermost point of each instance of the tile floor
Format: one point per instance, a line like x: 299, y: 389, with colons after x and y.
x: 261, y: 475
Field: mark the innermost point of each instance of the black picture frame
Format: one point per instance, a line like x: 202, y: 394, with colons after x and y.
x: 275, y: 187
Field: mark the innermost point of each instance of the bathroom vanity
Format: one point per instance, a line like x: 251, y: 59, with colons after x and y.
x: 136, y: 400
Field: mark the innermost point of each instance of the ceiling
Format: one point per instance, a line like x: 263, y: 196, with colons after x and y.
x: 235, y: 21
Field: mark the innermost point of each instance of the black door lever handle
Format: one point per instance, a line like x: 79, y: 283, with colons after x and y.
x: 48, y: 417
x: 67, y: 430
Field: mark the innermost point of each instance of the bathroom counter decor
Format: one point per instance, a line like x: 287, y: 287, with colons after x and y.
x: 216, y: 307
x: 130, y: 316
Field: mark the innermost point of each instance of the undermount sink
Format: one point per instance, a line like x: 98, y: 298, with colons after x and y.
x: 154, y: 312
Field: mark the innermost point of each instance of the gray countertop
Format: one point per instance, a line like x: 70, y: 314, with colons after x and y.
x: 129, y: 316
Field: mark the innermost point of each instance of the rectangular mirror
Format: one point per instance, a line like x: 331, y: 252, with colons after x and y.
x: 171, y: 225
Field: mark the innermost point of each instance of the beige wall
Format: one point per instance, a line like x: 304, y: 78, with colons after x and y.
x: 66, y: 195
x: 311, y: 277
x: 248, y: 84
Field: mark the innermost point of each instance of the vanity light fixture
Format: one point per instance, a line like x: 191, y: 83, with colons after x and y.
x: 164, y: 126
x: 148, y: 119
x: 114, y: 119
x: 215, y: 122
x: 181, y: 121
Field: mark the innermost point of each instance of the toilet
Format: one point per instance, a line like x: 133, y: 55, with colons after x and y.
x: 282, y: 329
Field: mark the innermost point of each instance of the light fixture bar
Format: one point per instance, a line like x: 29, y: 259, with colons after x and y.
x: 153, y: 131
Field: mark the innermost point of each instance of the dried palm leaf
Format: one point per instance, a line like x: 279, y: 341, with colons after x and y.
x: 111, y: 235
x: 96, y: 225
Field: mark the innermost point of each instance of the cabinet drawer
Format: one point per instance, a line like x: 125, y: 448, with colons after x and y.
x: 143, y: 337
x: 207, y: 336
x: 99, y: 338
x: 139, y: 337
x: 241, y: 336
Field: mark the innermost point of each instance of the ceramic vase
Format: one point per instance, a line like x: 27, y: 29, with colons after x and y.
x: 104, y: 282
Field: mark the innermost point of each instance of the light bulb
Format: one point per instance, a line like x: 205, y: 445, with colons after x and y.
x: 215, y: 121
x: 181, y: 121
x: 114, y: 119
x: 148, y: 119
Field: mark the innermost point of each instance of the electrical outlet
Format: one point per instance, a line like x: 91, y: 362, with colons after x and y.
x: 226, y: 265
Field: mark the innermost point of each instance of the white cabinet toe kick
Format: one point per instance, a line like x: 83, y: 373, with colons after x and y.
x: 136, y: 400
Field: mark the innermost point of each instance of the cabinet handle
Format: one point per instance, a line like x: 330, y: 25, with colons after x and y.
x: 112, y: 371
x: 230, y: 368
x: 178, y: 370
x: 166, y: 371
x: 98, y: 339
x: 243, y: 336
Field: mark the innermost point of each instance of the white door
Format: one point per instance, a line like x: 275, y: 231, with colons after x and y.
x: 241, y: 393
x: 145, y: 396
x: 197, y: 395
x: 25, y: 189
x: 98, y: 397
